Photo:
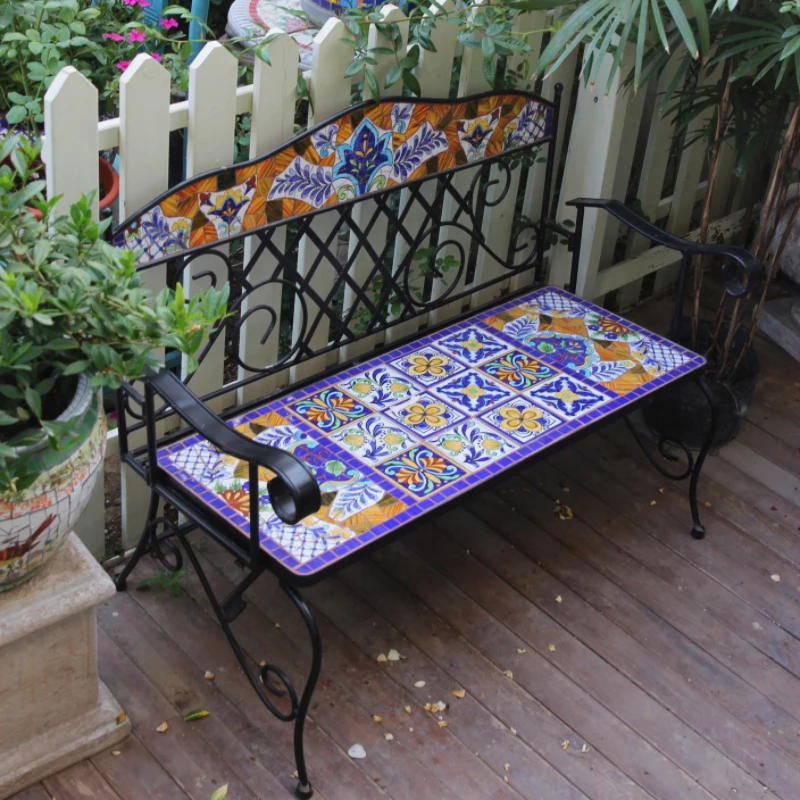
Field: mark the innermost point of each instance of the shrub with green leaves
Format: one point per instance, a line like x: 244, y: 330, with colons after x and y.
x: 71, y: 304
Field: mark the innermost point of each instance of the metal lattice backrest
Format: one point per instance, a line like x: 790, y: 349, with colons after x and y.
x: 429, y: 170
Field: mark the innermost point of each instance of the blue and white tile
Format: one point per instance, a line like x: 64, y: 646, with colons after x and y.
x: 428, y: 366
x: 521, y: 420
x: 657, y: 357
x: 472, y: 345
x: 204, y: 463
x: 425, y: 414
x: 379, y: 387
x: 472, y: 391
x: 553, y: 303
x: 374, y: 439
x: 472, y: 444
x: 567, y: 396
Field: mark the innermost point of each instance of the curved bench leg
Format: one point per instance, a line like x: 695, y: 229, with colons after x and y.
x: 272, y: 680
x: 698, y: 529
x: 693, y: 465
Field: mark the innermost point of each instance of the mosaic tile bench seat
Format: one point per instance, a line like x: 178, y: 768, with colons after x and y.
x: 482, y: 367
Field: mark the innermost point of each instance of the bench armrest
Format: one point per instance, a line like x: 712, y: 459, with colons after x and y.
x: 748, y: 265
x: 293, y: 493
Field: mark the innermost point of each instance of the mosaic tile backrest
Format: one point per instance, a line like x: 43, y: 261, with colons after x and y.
x: 414, y: 427
x: 371, y: 148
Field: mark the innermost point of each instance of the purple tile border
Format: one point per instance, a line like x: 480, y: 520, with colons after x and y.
x: 417, y: 507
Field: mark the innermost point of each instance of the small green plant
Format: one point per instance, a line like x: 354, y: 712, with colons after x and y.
x: 162, y: 581
x: 72, y: 305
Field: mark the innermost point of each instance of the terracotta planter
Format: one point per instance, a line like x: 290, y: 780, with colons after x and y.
x: 109, y: 183
x: 35, y: 522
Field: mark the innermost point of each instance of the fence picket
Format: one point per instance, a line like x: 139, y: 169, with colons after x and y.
x: 210, y: 134
x: 433, y: 74
x: 471, y: 81
x: 362, y: 264
x: 330, y: 93
x: 143, y: 169
x: 599, y: 162
x: 274, y: 98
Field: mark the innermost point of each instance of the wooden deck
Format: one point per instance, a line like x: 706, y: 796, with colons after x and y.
x: 646, y: 665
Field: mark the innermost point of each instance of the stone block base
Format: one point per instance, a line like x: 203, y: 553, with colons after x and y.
x: 778, y: 322
x: 54, y: 710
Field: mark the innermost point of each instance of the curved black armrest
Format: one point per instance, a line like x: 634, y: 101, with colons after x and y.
x: 293, y: 493
x: 734, y: 286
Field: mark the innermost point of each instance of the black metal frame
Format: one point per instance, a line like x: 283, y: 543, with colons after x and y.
x: 293, y: 492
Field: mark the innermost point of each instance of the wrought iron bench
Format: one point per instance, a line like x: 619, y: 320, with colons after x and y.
x: 343, y: 461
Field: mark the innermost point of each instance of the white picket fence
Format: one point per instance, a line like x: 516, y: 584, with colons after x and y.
x: 611, y: 138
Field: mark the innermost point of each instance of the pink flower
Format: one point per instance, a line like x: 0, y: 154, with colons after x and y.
x: 131, y: 2
x: 136, y: 36
x: 166, y: 24
x: 115, y: 37
x: 144, y: 4
x: 122, y: 65
x: 156, y: 56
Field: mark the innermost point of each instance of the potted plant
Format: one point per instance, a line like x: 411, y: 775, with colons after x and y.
x: 754, y: 106
x: 98, y: 38
x: 74, y: 319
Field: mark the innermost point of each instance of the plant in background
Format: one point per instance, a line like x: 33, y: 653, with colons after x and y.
x: 72, y: 305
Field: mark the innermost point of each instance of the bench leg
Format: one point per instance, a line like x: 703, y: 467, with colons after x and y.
x: 151, y: 541
x: 693, y: 465
x: 272, y: 680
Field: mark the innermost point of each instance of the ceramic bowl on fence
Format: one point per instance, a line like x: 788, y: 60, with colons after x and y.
x: 35, y: 522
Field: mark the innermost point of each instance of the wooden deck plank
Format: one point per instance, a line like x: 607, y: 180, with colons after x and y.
x: 226, y: 731
x: 684, y: 645
x: 133, y: 773
x: 724, y: 735
x: 35, y: 792
x: 434, y: 747
x: 523, y: 715
x: 79, y: 782
x: 181, y: 750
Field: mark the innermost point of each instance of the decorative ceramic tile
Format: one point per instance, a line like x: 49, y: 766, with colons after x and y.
x: 427, y: 366
x: 442, y: 428
x: 369, y: 148
x: 379, y: 387
x: 330, y: 409
x: 521, y: 420
x: 473, y: 392
x: 471, y: 444
x: 472, y: 345
x: 567, y: 396
x: 374, y: 439
x: 518, y: 370
x: 421, y: 471
x: 425, y: 414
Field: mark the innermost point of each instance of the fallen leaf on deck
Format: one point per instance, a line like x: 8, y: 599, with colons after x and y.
x: 377, y: 718
x: 411, y: 730
x: 262, y: 663
x: 198, y: 713
x: 551, y: 648
x: 419, y: 684
x: 442, y: 723
x: 293, y: 776
x: 116, y: 753
x: 121, y: 718
x: 776, y: 577
x: 209, y: 676
x: 393, y: 655
x: 652, y: 502
x: 505, y: 778
x: 220, y: 793
x: 277, y: 624
x: 459, y: 693
x: 508, y: 673
x: 565, y: 744
x: 407, y: 709
x: 558, y: 599
x: 563, y: 511
x: 506, y: 767
x: 773, y: 508
x: 521, y: 651
x: 162, y: 728
x: 435, y: 708
x: 357, y: 751
x: 661, y: 490
x: 388, y: 737
x: 513, y: 730
x: 565, y: 488
x: 381, y: 658
x: 707, y: 504
x: 584, y: 749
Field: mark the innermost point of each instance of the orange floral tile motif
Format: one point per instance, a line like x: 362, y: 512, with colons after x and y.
x: 370, y: 148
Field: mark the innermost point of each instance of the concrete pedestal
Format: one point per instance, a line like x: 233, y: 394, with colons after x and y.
x: 54, y: 710
x: 779, y: 321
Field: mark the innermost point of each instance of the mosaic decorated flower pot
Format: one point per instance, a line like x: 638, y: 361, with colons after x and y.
x: 319, y: 11
x: 34, y: 523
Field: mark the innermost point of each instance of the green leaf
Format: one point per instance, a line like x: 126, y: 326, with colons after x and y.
x: 34, y: 401
x: 335, y: 468
x: 372, y: 83
x: 411, y: 82
x: 16, y: 114
x: 353, y: 68
x: 220, y: 793
x: 682, y: 23
x: 199, y: 713
x: 701, y: 19
x: 392, y: 76
x: 7, y: 419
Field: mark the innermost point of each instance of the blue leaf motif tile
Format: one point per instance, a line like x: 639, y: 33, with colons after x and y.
x: 567, y: 396
x: 471, y: 444
x: 415, y: 151
x: 421, y: 471
x: 305, y: 181
x: 379, y: 387
x: 473, y: 392
x: 330, y: 409
x: 472, y: 345
x: 374, y: 439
